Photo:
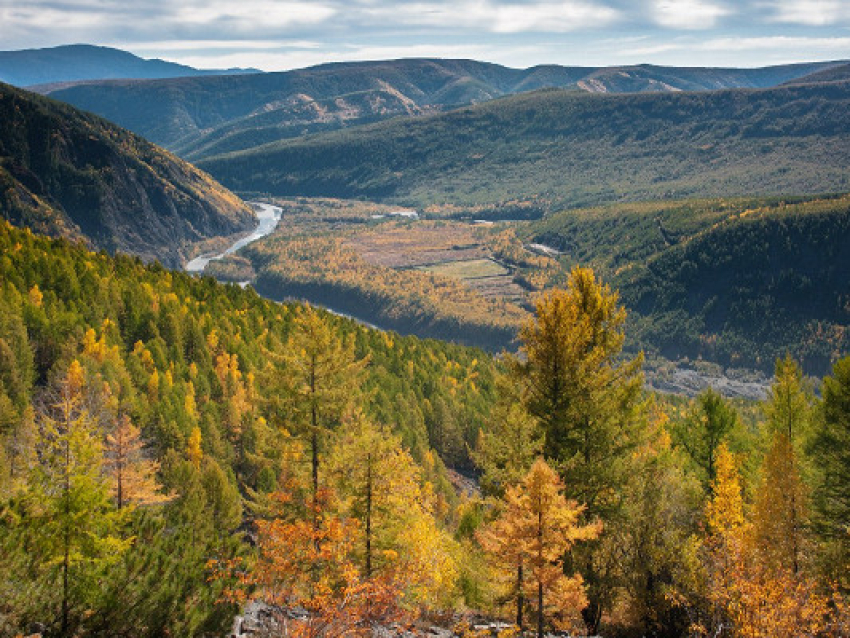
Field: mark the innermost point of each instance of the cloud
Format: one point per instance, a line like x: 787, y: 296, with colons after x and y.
x: 688, y: 14
x: 810, y: 12
x: 494, y: 17
x: 252, y: 14
x: 278, y: 34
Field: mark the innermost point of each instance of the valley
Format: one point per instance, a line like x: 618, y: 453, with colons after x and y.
x: 575, y: 352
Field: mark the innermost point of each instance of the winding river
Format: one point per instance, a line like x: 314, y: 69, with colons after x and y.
x: 268, y: 217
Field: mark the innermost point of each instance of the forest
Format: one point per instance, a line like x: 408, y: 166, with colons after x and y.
x: 173, y: 448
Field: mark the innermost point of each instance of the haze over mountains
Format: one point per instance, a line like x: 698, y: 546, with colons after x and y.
x: 78, y: 62
x: 203, y: 116
x: 68, y: 173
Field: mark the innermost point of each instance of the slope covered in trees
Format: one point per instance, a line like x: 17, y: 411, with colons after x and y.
x: 738, y: 281
x: 562, y: 149
x: 148, y: 419
x: 69, y: 173
x: 199, y: 117
x: 148, y: 374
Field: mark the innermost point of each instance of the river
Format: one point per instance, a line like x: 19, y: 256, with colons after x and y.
x: 267, y: 215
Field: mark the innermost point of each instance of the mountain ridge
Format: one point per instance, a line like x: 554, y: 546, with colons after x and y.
x: 568, y: 149
x: 202, y: 116
x: 73, y: 174
x: 86, y: 62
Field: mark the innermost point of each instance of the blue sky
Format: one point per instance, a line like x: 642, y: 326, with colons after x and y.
x: 278, y: 35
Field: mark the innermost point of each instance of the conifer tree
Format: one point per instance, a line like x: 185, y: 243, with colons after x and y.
x: 780, y: 504
x: 586, y: 401
x: 702, y: 434
x: 507, y: 448
x: 537, y: 527
x: 315, y: 377
x: 830, y: 451
x: 133, y: 475
x: 379, y: 484
x: 68, y: 501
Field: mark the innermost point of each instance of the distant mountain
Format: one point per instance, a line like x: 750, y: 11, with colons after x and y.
x: 566, y: 149
x: 839, y: 73
x: 202, y: 116
x: 78, y: 62
x: 68, y: 173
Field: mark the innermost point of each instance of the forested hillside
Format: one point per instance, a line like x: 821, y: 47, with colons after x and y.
x: 200, y: 117
x: 69, y: 173
x: 175, y: 389
x: 173, y: 448
x: 737, y: 281
x: 561, y: 149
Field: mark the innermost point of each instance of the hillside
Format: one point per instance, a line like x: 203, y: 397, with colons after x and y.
x: 69, y: 173
x: 562, y: 149
x: 839, y: 73
x: 184, y: 359
x: 78, y: 62
x: 199, y: 117
x: 739, y: 282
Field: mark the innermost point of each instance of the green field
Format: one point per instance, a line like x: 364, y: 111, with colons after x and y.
x: 470, y: 269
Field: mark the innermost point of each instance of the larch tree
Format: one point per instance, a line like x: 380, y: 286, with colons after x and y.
x: 316, y: 375
x: 132, y: 474
x: 753, y: 594
x: 378, y: 484
x: 703, y: 433
x: 780, y: 505
x: 830, y: 451
x: 586, y: 401
x: 510, y: 443
x: 73, y: 520
x: 537, y: 527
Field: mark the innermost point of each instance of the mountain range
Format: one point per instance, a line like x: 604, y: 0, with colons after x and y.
x: 563, y: 149
x: 84, y: 62
x: 202, y: 116
x: 68, y: 173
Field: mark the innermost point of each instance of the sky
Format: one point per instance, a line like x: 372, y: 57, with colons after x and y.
x: 275, y: 35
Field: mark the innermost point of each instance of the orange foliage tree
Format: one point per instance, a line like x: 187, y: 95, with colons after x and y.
x: 537, y: 527
x: 309, y: 563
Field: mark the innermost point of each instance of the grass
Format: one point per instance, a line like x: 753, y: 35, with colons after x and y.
x: 468, y: 269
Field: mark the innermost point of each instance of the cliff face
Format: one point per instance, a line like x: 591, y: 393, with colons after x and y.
x: 70, y: 173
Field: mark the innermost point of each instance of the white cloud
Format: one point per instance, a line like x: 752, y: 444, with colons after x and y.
x: 809, y: 12
x: 254, y: 13
x: 688, y: 14
x: 543, y: 17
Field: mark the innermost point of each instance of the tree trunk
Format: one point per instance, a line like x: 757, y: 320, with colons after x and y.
x: 368, y: 516
x: 540, y: 575
x: 520, y: 597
